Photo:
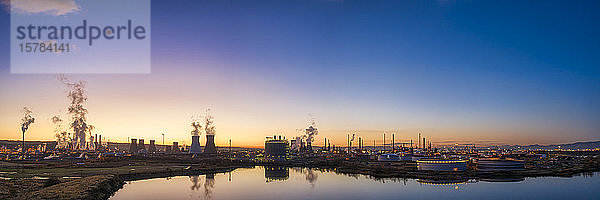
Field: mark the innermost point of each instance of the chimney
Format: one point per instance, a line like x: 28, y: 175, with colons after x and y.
x: 419, y: 141
x: 195, y: 148
x: 393, y: 141
x: 133, y: 146
x: 152, y: 147
x: 359, y: 140
x: 100, y: 140
x: 210, y: 148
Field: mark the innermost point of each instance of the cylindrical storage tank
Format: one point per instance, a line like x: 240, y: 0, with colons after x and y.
x: 388, y: 157
x: 442, y: 165
x: 495, y: 164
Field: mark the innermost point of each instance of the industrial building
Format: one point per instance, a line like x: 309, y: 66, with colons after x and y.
x: 496, y: 164
x: 441, y: 165
x: 277, y: 148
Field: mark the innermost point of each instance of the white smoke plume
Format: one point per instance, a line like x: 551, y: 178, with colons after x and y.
x: 311, y: 132
x: 196, y: 127
x: 308, y: 134
x: 81, y: 129
x: 27, y: 119
x: 209, y: 123
x: 63, y: 138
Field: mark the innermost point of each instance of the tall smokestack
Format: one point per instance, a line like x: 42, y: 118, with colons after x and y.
x: 99, y: 140
x: 152, y: 147
x: 393, y: 141
x: 419, y: 141
x: 195, y: 147
x: 210, y: 148
x: 384, y: 141
x: 424, y: 143
x: 133, y: 146
x: 26, y: 121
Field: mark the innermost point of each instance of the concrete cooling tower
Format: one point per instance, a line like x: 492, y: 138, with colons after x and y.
x: 152, y: 147
x: 133, y: 146
x: 195, y: 147
x: 210, y: 148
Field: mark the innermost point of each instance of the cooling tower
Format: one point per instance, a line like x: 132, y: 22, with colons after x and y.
x: 176, y: 147
x: 210, y: 145
x: 195, y: 148
x: 133, y: 146
x: 152, y: 147
x: 141, y: 146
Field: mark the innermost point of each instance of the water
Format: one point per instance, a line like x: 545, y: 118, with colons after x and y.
x: 297, y: 183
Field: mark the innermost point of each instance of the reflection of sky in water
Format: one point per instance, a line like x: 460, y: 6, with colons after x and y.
x: 315, y: 184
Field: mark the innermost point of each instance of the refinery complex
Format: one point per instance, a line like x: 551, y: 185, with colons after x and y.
x: 80, y: 152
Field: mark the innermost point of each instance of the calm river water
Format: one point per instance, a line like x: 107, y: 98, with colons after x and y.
x: 298, y: 183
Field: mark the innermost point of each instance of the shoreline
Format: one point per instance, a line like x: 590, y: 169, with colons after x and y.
x: 101, y: 180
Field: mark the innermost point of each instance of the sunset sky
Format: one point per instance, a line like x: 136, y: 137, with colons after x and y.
x: 484, y: 72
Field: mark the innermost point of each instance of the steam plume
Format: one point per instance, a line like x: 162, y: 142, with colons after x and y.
x: 197, y: 127
x: 27, y: 119
x: 81, y: 129
x: 209, y: 123
x: 311, y: 131
x: 63, y: 138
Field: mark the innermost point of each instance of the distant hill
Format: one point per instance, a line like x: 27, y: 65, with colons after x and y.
x: 571, y: 146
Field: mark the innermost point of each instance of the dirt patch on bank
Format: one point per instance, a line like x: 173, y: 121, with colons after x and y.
x: 93, y: 187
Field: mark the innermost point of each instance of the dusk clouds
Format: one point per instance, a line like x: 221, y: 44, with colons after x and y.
x: 51, y: 7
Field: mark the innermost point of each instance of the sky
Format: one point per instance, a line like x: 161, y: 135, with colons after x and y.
x: 483, y: 72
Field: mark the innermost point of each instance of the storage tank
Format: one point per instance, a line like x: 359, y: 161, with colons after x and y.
x: 441, y: 165
x: 388, y: 157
